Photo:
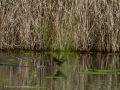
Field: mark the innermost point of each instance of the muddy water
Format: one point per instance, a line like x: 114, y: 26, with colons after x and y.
x: 59, y: 71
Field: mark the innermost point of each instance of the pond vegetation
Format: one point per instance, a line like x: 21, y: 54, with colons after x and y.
x: 43, y: 37
x: 59, y: 70
x: 73, y: 25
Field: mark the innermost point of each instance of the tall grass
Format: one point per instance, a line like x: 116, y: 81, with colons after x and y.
x: 83, y: 25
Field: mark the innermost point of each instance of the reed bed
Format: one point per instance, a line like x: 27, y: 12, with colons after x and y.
x: 80, y: 25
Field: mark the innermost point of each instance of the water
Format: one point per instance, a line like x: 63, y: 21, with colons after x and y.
x: 59, y: 71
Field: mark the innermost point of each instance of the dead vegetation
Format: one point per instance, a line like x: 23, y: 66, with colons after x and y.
x: 84, y: 25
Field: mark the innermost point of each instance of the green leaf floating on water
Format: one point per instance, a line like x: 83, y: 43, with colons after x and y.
x: 105, y: 70
x: 2, y: 80
x: 10, y: 60
x: 88, y: 72
x: 33, y: 73
x: 24, y: 60
x: 98, y: 72
x: 112, y: 53
x: 33, y: 87
x: 118, y: 72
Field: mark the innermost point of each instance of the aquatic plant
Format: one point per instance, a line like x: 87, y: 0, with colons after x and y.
x: 83, y: 25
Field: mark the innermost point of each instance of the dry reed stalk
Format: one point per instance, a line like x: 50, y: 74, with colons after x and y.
x: 89, y: 25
